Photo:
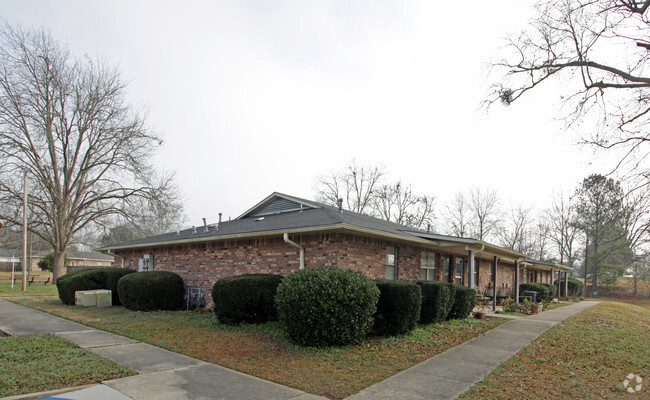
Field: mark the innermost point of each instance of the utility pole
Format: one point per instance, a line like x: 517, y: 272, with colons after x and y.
x: 24, y: 263
x: 586, y: 258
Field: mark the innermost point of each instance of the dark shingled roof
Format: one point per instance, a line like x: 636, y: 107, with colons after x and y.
x: 259, y: 219
x: 280, y: 212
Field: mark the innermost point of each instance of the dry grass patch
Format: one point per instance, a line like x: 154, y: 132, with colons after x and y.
x: 586, y: 356
x: 266, y: 352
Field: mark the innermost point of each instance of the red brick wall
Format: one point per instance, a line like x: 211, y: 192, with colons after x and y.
x: 505, y: 277
x: 202, y: 264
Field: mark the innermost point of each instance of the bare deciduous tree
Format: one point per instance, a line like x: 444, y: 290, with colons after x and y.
x: 486, y: 212
x: 563, y: 232
x: 397, y: 203
x: 356, y: 185
x: 457, y: 216
x: 599, y: 50
x: 516, y: 233
x: 65, y: 122
x: 364, y: 190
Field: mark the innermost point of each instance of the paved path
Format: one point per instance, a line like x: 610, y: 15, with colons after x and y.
x: 449, y: 374
x: 163, y: 374
x: 167, y: 375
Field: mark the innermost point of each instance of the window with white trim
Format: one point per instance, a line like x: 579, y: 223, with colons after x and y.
x: 391, y: 262
x: 428, y: 266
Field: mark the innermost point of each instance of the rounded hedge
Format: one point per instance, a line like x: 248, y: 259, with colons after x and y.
x: 543, y: 292
x: 437, y: 299
x: 322, y: 306
x: 576, y: 287
x: 464, y: 303
x: 552, y: 290
x: 398, y: 308
x: 246, y: 298
x: 153, y: 290
x: 90, y: 279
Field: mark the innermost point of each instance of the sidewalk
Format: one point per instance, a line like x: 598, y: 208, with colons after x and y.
x: 163, y: 374
x: 448, y: 375
x: 167, y: 375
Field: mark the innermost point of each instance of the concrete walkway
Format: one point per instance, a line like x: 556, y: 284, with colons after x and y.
x: 449, y: 374
x: 163, y: 374
x: 167, y: 375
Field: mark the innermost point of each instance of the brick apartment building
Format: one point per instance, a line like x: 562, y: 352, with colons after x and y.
x: 282, y: 234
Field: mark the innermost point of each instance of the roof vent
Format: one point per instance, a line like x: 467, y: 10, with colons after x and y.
x: 178, y: 233
x: 428, y: 228
x: 340, y: 205
x: 193, y: 229
x: 260, y: 219
x: 205, y: 225
x: 300, y: 207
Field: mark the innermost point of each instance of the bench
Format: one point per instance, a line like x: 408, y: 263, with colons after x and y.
x: 8, y: 278
x: 38, y: 279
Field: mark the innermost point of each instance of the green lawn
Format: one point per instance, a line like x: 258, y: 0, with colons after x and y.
x: 36, y: 289
x: 587, y: 356
x: 36, y: 363
x: 266, y: 352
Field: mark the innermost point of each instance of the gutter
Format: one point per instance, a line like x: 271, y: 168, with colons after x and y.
x: 294, y: 244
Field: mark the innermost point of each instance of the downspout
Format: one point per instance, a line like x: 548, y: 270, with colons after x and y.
x: 302, y: 250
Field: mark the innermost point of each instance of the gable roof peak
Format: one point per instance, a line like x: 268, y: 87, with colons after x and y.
x: 277, y: 203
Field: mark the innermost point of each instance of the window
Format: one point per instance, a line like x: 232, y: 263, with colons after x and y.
x: 391, y: 262
x: 458, y: 277
x: 524, y: 276
x: 539, y: 277
x: 446, y: 264
x: 428, y: 266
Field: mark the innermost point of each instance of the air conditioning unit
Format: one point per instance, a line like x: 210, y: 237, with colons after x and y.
x: 86, y: 298
x: 104, y: 298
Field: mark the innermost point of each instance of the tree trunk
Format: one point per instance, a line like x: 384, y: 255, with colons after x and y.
x: 59, y: 267
x: 594, y: 278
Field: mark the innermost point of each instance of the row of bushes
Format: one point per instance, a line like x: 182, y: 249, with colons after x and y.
x: 318, y: 306
x: 143, y: 291
x: 332, y: 306
x: 547, y: 292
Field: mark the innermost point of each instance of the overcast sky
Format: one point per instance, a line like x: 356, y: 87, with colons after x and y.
x: 253, y: 97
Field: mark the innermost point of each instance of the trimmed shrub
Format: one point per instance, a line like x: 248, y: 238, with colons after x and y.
x: 246, y: 298
x: 398, y: 308
x: 543, y: 292
x: 322, y: 306
x: 437, y: 299
x: 552, y: 290
x: 576, y: 288
x: 464, y: 303
x: 90, y: 279
x: 153, y: 290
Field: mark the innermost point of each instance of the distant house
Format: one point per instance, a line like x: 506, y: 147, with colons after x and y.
x: 282, y: 234
x: 9, y: 257
x: 76, y: 259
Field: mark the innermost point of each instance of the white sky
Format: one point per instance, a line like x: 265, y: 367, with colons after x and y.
x: 253, y: 97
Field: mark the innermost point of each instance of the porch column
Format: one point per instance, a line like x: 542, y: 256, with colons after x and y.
x: 470, y: 269
x: 494, y: 287
x: 566, y: 283
x: 516, y: 281
x: 559, y: 284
